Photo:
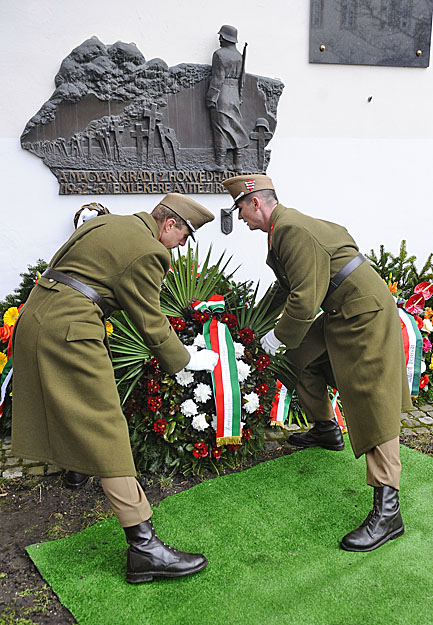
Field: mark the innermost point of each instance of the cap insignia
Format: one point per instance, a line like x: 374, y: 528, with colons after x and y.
x: 250, y: 184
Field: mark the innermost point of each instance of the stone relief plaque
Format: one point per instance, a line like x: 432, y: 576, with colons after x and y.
x: 371, y: 32
x: 117, y: 123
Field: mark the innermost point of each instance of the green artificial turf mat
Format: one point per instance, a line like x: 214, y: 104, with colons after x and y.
x: 271, y: 535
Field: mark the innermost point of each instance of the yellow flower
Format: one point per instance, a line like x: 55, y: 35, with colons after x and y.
x: 10, y: 316
x: 3, y: 361
x: 109, y: 328
x: 428, y: 313
x: 393, y: 286
x: 431, y: 365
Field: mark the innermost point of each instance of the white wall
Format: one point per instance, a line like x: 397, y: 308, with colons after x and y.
x: 335, y: 155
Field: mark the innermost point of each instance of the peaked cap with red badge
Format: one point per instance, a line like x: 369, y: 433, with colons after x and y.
x: 241, y: 186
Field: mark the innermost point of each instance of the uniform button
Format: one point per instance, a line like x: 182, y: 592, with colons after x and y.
x: 333, y: 311
x: 50, y: 280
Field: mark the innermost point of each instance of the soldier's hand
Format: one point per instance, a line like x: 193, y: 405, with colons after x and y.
x: 205, y: 359
x: 270, y: 343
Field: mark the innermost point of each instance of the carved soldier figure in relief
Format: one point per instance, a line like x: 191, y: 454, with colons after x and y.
x: 224, y: 98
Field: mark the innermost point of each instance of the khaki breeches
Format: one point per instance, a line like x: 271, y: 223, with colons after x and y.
x: 127, y: 499
x: 383, y: 464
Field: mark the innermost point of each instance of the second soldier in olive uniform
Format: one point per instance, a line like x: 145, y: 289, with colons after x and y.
x: 355, y: 344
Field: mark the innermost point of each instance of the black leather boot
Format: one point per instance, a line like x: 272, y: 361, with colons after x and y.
x: 73, y: 479
x: 326, y: 434
x: 149, y: 557
x: 383, y: 523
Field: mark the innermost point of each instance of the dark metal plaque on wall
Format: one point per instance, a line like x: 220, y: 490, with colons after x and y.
x: 117, y: 123
x: 371, y: 32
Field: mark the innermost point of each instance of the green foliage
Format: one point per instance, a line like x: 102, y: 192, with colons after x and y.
x: 401, y: 268
x: 21, y: 293
x: 259, y: 316
x: 188, y: 282
x: 129, y: 353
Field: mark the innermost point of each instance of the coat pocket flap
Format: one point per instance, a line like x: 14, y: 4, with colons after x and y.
x: 48, y: 284
x: 360, y: 305
x: 81, y: 331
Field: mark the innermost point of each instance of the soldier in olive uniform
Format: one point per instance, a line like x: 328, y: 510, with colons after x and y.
x: 355, y: 344
x: 224, y: 101
x: 66, y: 409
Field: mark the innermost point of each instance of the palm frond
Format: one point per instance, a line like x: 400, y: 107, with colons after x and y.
x: 185, y: 283
x: 130, y: 354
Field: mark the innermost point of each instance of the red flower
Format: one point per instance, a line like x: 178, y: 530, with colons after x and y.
x: 425, y: 289
x: 424, y: 381
x: 5, y: 333
x: 246, y: 433
x: 154, y: 403
x: 415, y: 304
x: 419, y: 321
x: 232, y: 447
x: 155, y: 365
x: 229, y: 320
x: 200, y: 450
x: 152, y: 387
x: 159, y: 426
x: 426, y: 345
x: 262, y: 389
x: 201, y: 317
x: 260, y: 410
x: 246, y: 336
x: 263, y: 362
x: 178, y: 323
x: 216, y: 452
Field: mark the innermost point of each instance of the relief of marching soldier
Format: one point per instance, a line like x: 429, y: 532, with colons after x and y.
x: 224, y: 99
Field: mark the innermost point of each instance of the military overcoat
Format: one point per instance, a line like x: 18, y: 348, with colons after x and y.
x: 223, y: 93
x: 360, y: 328
x: 66, y: 409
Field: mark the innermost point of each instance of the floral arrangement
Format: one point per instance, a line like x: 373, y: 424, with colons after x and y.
x: 9, y: 319
x: 172, y: 419
x: 415, y: 305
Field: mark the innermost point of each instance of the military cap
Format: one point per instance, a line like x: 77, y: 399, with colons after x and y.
x: 241, y: 186
x: 194, y: 214
x: 229, y: 33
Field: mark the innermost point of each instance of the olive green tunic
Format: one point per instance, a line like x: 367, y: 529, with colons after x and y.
x: 66, y: 408
x: 360, y: 328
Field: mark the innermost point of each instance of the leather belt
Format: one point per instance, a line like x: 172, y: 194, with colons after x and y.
x: 343, y: 273
x: 85, y: 289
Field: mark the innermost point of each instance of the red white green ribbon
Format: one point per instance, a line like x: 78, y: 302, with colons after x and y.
x: 338, y: 417
x: 412, y: 343
x: 280, y: 405
x: 214, y: 304
x: 225, y: 375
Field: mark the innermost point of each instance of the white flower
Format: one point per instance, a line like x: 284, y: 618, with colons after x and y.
x: 243, y: 370
x: 199, y: 341
x: 191, y: 348
x: 188, y: 408
x: 214, y: 422
x: 423, y: 366
x: 199, y: 422
x: 239, y: 350
x: 202, y: 392
x: 252, y: 402
x: 427, y: 326
x: 184, y: 378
